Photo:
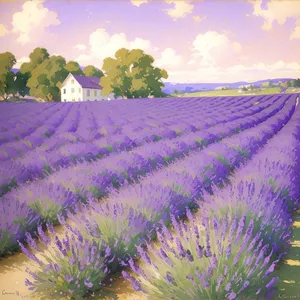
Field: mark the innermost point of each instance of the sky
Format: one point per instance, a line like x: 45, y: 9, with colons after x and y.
x: 195, y: 41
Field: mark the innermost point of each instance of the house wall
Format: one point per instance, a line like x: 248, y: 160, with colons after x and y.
x: 73, y: 91
x: 97, y: 97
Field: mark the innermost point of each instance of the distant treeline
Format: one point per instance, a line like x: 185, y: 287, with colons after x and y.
x: 130, y: 74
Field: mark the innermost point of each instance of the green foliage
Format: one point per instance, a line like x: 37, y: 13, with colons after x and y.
x: 20, y: 83
x: 7, y: 61
x: 74, y: 68
x: 37, y: 56
x: 46, y: 79
x: 92, y: 71
x: 131, y: 75
x: 297, y: 83
x: 47, y: 210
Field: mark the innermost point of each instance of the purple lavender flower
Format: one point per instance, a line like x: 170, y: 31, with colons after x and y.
x: 272, y: 282
x: 169, y: 277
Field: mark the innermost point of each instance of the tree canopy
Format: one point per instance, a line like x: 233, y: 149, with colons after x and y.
x: 92, y: 71
x: 131, y: 74
x: 74, y: 68
x: 37, y: 56
x: 7, y: 61
x: 297, y: 83
x: 46, y: 79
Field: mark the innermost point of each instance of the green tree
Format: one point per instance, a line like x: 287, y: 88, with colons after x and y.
x: 21, y: 83
x: 131, y: 75
x: 74, y: 68
x: 46, y: 79
x: 7, y: 61
x: 297, y: 83
x: 37, y: 57
x: 92, y: 71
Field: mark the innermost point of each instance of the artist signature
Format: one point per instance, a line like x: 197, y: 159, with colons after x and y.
x: 284, y: 296
x: 16, y: 293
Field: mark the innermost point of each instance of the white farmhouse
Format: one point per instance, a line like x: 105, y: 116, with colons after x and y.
x: 78, y: 88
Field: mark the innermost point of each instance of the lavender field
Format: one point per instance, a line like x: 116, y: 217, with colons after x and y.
x: 179, y: 198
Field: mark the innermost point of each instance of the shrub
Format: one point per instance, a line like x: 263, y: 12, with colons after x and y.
x: 205, y: 261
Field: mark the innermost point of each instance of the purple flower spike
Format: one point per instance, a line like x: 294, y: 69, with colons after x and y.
x: 232, y: 296
x: 88, y: 284
x: 169, y: 277
x: 272, y: 282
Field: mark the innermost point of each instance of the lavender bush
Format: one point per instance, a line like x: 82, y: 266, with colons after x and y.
x: 69, y: 267
x: 46, y: 199
x: 250, y: 200
x: 118, y: 225
x: 210, y: 259
x: 15, y: 219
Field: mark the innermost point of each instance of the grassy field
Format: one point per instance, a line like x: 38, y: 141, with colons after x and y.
x: 233, y: 92
x: 292, y: 90
x: 15, y: 99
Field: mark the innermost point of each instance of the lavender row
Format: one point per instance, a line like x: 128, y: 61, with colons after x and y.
x: 49, y: 198
x: 88, y: 178
x: 14, y: 149
x: 35, y: 162
x: 119, y: 229
x: 19, y: 148
x: 29, y: 128
x: 12, y: 115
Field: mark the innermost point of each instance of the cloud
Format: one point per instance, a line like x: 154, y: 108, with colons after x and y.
x: 192, y: 62
x: 80, y: 47
x: 169, y: 59
x: 275, y: 10
x: 140, y: 44
x: 3, y: 30
x: 138, y: 2
x: 198, y: 18
x: 180, y: 10
x: 32, y: 22
x: 215, y: 49
x: 20, y: 61
x: 102, y: 45
x: 296, y: 32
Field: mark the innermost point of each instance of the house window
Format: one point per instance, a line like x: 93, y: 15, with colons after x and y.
x: 72, y: 81
x: 95, y: 93
x: 65, y: 91
x: 88, y: 93
x: 72, y: 90
x: 79, y: 90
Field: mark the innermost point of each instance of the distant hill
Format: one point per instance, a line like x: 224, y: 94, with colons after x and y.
x: 198, y: 87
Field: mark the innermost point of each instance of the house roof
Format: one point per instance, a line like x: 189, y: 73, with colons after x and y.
x: 88, y: 82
